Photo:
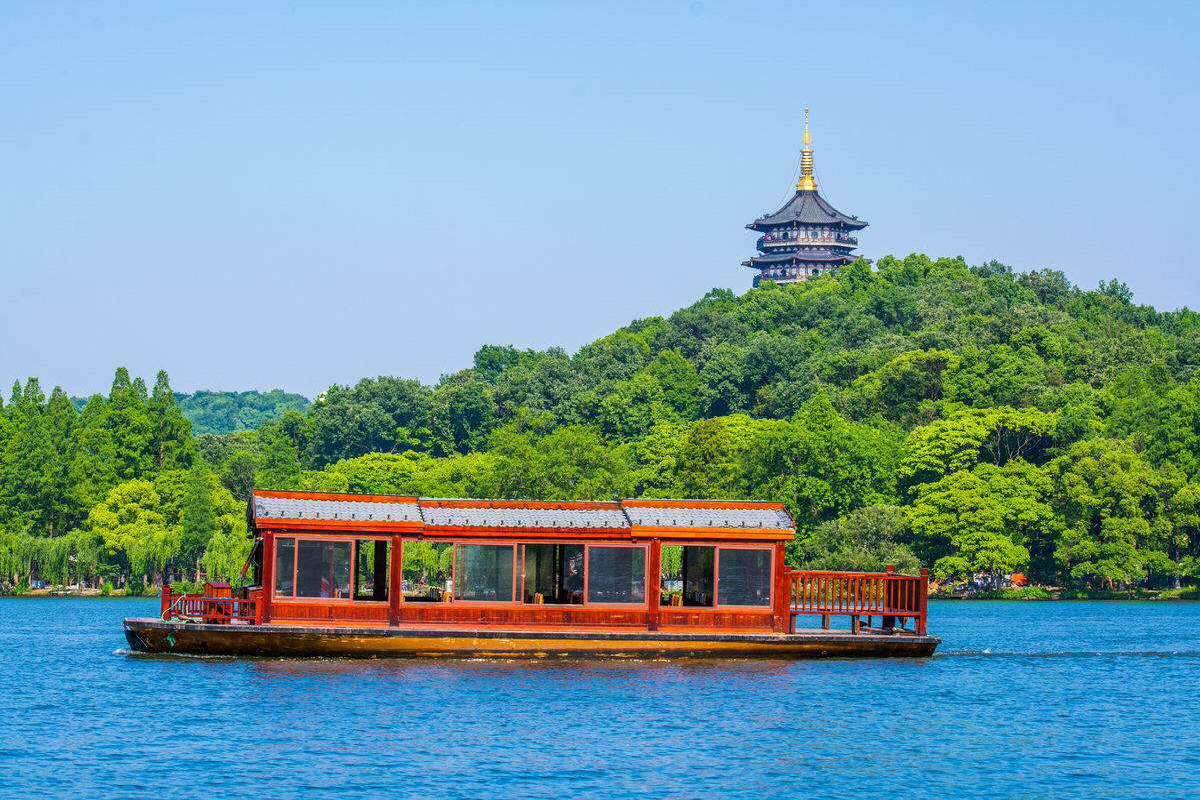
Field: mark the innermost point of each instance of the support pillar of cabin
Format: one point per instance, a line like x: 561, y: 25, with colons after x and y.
x: 395, y: 581
x: 655, y: 579
x: 268, y: 571
x: 781, y: 618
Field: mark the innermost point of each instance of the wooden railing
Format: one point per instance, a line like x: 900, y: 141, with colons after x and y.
x: 861, y: 594
x: 214, y: 608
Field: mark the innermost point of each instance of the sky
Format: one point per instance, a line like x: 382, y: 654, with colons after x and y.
x: 291, y: 195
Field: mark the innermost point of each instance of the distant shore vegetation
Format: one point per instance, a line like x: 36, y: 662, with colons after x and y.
x: 970, y: 418
x: 227, y: 412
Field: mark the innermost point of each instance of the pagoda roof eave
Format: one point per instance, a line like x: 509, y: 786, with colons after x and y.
x: 807, y: 207
x: 784, y: 258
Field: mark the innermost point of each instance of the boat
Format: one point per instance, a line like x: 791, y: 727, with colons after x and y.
x: 363, y: 575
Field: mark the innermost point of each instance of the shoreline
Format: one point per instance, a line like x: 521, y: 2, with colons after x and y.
x: 1045, y: 596
x: 90, y: 594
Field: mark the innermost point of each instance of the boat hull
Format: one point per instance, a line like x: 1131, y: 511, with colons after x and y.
x: 157, y: 636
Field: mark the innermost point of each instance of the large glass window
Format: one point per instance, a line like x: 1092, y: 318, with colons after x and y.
x: 616, y: 575
x: 553, y: 573
x: 285, y: 567
x: 371, y: 557
x: 322, y: 569
x: 483, y: 572
x: 426, y: 569
x: 744, y: 577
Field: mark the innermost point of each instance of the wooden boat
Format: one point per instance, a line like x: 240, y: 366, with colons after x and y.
x: 339, y: 574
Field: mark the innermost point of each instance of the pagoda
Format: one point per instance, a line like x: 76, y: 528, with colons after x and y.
x: 807, y: 237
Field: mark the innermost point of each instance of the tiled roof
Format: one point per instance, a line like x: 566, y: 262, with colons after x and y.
x: 692, y: 517
x: 808, y: 207
x: 437, y: 512
x: 365, y: 510
x: 517, y: 517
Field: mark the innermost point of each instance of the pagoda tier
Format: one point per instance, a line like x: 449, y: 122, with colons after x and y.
x: 806, y: 238
x: 798, y: 266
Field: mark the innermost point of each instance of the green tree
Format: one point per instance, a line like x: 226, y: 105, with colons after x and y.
x: 31, y: 464
x: 897, y: 389
x: 228, y: 547
x: 198, y: 518
x: 865, y: 540
x: 91, y: 458
x: 681, y: 386
x: 571, y: 462
x: 822, y: 465
x: 463, y: 414
x: 380, y: 415
x: 980, y: 521
x: 133, y: 529
x: 277, y: 461
x: 130, y: 427
x: 1108, y: 496
x: 967, y: 436
x: 170, y: 432
x: 723, y: 375
x: 633, y: 407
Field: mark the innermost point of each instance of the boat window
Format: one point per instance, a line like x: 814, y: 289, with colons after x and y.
x: 426, y: 570
x: 285, y: 567
x: 553, y: 573
x: 322, y: 569
x: 371, y: 558
x: 616, y: 575
x: 483, y: 572
x: 688, y: 575
x: 745, y: 577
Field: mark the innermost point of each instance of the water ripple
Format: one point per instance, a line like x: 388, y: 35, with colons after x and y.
x: 1033, y: 699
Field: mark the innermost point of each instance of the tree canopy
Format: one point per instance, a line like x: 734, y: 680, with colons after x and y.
x: 978, y: 419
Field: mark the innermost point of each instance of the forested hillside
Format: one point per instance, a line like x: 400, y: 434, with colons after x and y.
x: 969, y: 418
x: 227, y: 412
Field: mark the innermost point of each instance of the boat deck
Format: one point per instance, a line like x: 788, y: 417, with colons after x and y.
x: 277, y: 639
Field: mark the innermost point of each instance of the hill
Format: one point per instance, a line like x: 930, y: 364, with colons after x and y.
x: 218, y: 413
x: 973, y: 418
x: 226, y: 412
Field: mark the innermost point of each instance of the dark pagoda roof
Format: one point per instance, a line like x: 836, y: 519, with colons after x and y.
x: 803, y: 256
x: 808, y: 208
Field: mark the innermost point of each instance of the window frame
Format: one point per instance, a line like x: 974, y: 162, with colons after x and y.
x: 770, y: 604
x: 294, y: 598
x: 409, y: 538
x: 387, y: 577
x: 520, y: 579
x: 717, y: 604
x: 716, y: 557
x: 454, y: 599
x: 646, y: 588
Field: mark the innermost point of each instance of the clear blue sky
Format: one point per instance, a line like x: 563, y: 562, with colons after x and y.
x: 292, y: 195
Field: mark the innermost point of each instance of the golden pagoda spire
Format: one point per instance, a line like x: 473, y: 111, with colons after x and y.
x: 807, y: 182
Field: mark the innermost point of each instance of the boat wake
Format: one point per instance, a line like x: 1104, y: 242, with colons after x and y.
x: 1069, y: 653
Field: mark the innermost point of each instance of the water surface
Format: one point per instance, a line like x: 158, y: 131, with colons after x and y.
x: 1072, y: 699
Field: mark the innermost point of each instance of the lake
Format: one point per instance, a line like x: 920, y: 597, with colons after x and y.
x: 1052, y: 699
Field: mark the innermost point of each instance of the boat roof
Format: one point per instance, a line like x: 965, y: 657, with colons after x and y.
x: 446, y: 517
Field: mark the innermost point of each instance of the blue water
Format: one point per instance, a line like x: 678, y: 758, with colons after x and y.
x: 1023, y: 699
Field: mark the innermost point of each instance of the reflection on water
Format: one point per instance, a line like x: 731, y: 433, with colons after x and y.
x: 1043, y: 699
